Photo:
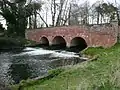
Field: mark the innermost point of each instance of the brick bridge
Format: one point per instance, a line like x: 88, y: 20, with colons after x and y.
x: 74, y: 35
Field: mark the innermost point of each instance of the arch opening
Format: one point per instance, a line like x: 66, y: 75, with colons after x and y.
x: 59, y: 42
x: 78, y: 42
x: 44, y: 41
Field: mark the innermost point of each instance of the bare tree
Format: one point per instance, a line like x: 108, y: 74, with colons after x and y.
x: 60, y: 13
x: 53, y: 11
x: 79, y: 13
x: 42, y: 19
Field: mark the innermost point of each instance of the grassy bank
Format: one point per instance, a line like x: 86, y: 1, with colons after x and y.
x: 101, y: 73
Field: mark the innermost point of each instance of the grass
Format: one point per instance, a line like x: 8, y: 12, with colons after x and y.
x: 100, y: 74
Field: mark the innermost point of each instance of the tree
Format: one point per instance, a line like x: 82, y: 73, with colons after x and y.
x: 16, y: 14
x: 105, y: 10
x: 42, y: 19
x: 79, y: 13
x: 99, y: 11
x: 118, y: 13
x: 109, y: 10
x: 60, y: 12
x: 74, y: 14
x: 2, y: 30
x: 36, y: 7
x: 53, y: 11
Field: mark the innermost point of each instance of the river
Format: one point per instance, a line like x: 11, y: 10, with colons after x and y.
x: 33, y: 62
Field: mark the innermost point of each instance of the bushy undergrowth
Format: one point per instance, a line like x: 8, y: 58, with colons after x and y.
x: 9, y: 42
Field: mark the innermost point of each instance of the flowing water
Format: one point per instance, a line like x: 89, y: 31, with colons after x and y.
x: 33, y: 62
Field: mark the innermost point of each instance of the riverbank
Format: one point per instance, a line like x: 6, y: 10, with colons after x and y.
x: 9, y: 43
x: 101, y: 72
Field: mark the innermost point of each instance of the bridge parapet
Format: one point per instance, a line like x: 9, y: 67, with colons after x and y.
x: 109, y: 29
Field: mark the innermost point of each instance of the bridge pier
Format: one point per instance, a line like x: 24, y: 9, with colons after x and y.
x: 68, y: 45
x: 50, y: 43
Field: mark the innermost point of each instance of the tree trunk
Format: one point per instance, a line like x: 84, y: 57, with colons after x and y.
x: 30, y: 23
x: 53, y: 11
x: 60, y: 12
x: 35, y: 19
x: 69, y: 22
x: 101, y: 19
x: 98, y: 16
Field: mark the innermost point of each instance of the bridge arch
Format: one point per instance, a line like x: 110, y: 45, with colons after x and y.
x: 59, y: 40
x: 44, y: 41
x: 78, y: 42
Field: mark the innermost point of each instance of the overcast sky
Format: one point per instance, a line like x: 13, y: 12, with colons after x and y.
x: 81, y: 1
x: 112, y: 1
x: 92, y: 1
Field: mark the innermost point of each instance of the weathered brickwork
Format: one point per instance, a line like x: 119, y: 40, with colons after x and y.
x: 102, y: 36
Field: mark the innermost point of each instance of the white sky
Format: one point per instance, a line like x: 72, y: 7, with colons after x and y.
x: 49, y: 21
x: 112, y: 1
x: 80, y: 1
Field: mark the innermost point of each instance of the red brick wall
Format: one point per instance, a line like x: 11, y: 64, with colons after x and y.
x: 93, y: 36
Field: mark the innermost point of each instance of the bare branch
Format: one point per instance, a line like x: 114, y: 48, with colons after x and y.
x: 42, y: 19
